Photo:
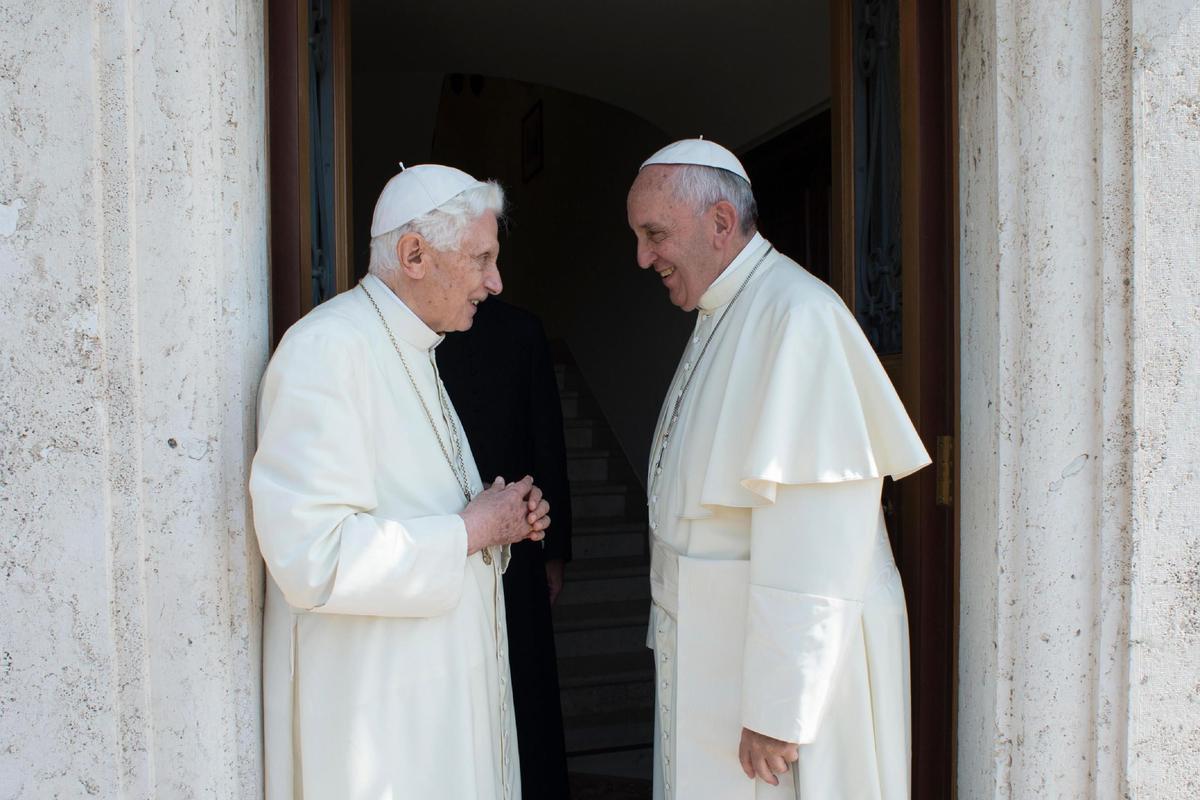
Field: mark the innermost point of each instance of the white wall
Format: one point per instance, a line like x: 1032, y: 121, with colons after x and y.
x: 1164, y: 668
x: 1080, y: 621
x: 134, y: 325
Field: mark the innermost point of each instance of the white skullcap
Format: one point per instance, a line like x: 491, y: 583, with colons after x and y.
x: 416, y: 191
x: 700, y: 152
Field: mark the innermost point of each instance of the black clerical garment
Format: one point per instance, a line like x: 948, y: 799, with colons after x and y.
x: 501, y: 380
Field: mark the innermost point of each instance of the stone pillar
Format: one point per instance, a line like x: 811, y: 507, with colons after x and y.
x: 134, y: 330
x: 1080, y: 228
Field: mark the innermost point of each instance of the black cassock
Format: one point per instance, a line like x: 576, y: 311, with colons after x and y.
x: 501, y: 381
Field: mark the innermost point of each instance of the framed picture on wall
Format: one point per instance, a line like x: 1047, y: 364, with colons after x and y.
x: 531, y: 142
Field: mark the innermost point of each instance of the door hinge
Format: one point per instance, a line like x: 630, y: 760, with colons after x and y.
x: 945, y: 470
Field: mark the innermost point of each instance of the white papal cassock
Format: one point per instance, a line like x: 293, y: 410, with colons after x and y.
x: 385, y: 662
x: 776, y: 603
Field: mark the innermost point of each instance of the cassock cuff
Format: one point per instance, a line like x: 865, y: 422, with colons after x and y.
x: 408, y: 568
x: 794, y: 643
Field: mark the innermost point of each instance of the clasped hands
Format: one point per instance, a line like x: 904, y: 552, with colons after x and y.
x: 505, y: 514
x: 764, y: 757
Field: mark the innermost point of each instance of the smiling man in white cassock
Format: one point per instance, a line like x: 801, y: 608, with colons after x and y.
x: 385, y: 671
x: 778, y: 618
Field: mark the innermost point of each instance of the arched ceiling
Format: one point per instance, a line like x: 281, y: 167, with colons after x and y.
x: 688, y: 66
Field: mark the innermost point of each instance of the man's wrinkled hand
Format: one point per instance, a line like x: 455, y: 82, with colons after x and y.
x: 505, y: 514
x: 539, y: 512
x: 764, y: 757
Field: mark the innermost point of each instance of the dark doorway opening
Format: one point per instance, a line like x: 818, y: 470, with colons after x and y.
x: 483, y: 87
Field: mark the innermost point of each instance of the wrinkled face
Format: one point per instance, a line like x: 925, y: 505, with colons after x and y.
x: 462, y: 278
x: 671, y: 239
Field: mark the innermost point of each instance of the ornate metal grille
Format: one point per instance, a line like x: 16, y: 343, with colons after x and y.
x: 877, y: 296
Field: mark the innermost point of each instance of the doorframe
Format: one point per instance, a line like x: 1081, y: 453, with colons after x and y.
x: 290, y: 234
x: 928, y: 376
x: 288, y: 153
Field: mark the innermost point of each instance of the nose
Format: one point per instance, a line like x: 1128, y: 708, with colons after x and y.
x: 492, y: 282
x: 645, y: 256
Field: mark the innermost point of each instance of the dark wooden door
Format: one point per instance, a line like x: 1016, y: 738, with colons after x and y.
x: 308, y: 67
x: 893, y: 260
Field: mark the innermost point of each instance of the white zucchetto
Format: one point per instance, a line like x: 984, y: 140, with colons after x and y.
x: 700, y: 152
x: 416, y: 191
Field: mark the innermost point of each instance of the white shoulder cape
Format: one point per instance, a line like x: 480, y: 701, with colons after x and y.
x: 793, y: 394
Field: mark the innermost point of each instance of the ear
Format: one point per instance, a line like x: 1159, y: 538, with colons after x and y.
x: 413, y: 253
x: 725, y: 222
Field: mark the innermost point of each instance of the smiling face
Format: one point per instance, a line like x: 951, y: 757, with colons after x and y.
x: 458, y: 280
x: 672, y: 239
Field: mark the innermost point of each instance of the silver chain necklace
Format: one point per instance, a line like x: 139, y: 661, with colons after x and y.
x: 674, y: 418
x: 456, y: 462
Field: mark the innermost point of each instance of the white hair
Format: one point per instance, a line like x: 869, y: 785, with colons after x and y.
x: 443, y: 227
x: 700, y: 187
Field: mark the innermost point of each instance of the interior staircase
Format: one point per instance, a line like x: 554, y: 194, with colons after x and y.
x: 605, y: 671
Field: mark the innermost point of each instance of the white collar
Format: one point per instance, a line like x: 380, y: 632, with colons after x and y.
x: 400, y: 318
x: 721, y: 290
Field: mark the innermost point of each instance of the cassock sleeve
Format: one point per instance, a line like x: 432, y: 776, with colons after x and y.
x: 549, y: 448
x: 312, y: 485
x: 810, y: 559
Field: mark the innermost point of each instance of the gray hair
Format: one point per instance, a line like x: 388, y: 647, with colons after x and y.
x: 701, y: 187
x: 443, y: 227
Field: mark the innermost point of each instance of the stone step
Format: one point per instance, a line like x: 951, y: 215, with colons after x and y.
x: 607, y: 538
x: 603, y: 579
x: 608, y: 697
x: 606, y: 683
x: 598, y: 670
x: 581, y: 433
x: 574, y: 404
x: 634, y: 587
x: 600, y: 629
x: 598, y: 641
x: 589, y: 465
x: 591, y: 499
x: 609, y: 730
x: 593, y: 629
x: 633, y: 764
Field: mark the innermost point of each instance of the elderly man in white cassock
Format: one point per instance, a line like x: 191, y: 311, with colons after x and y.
x: 385, y: 663
x: 778, y: 618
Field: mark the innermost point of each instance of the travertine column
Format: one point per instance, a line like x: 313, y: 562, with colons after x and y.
x: 1080, y: 625
x: 134, y: 329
